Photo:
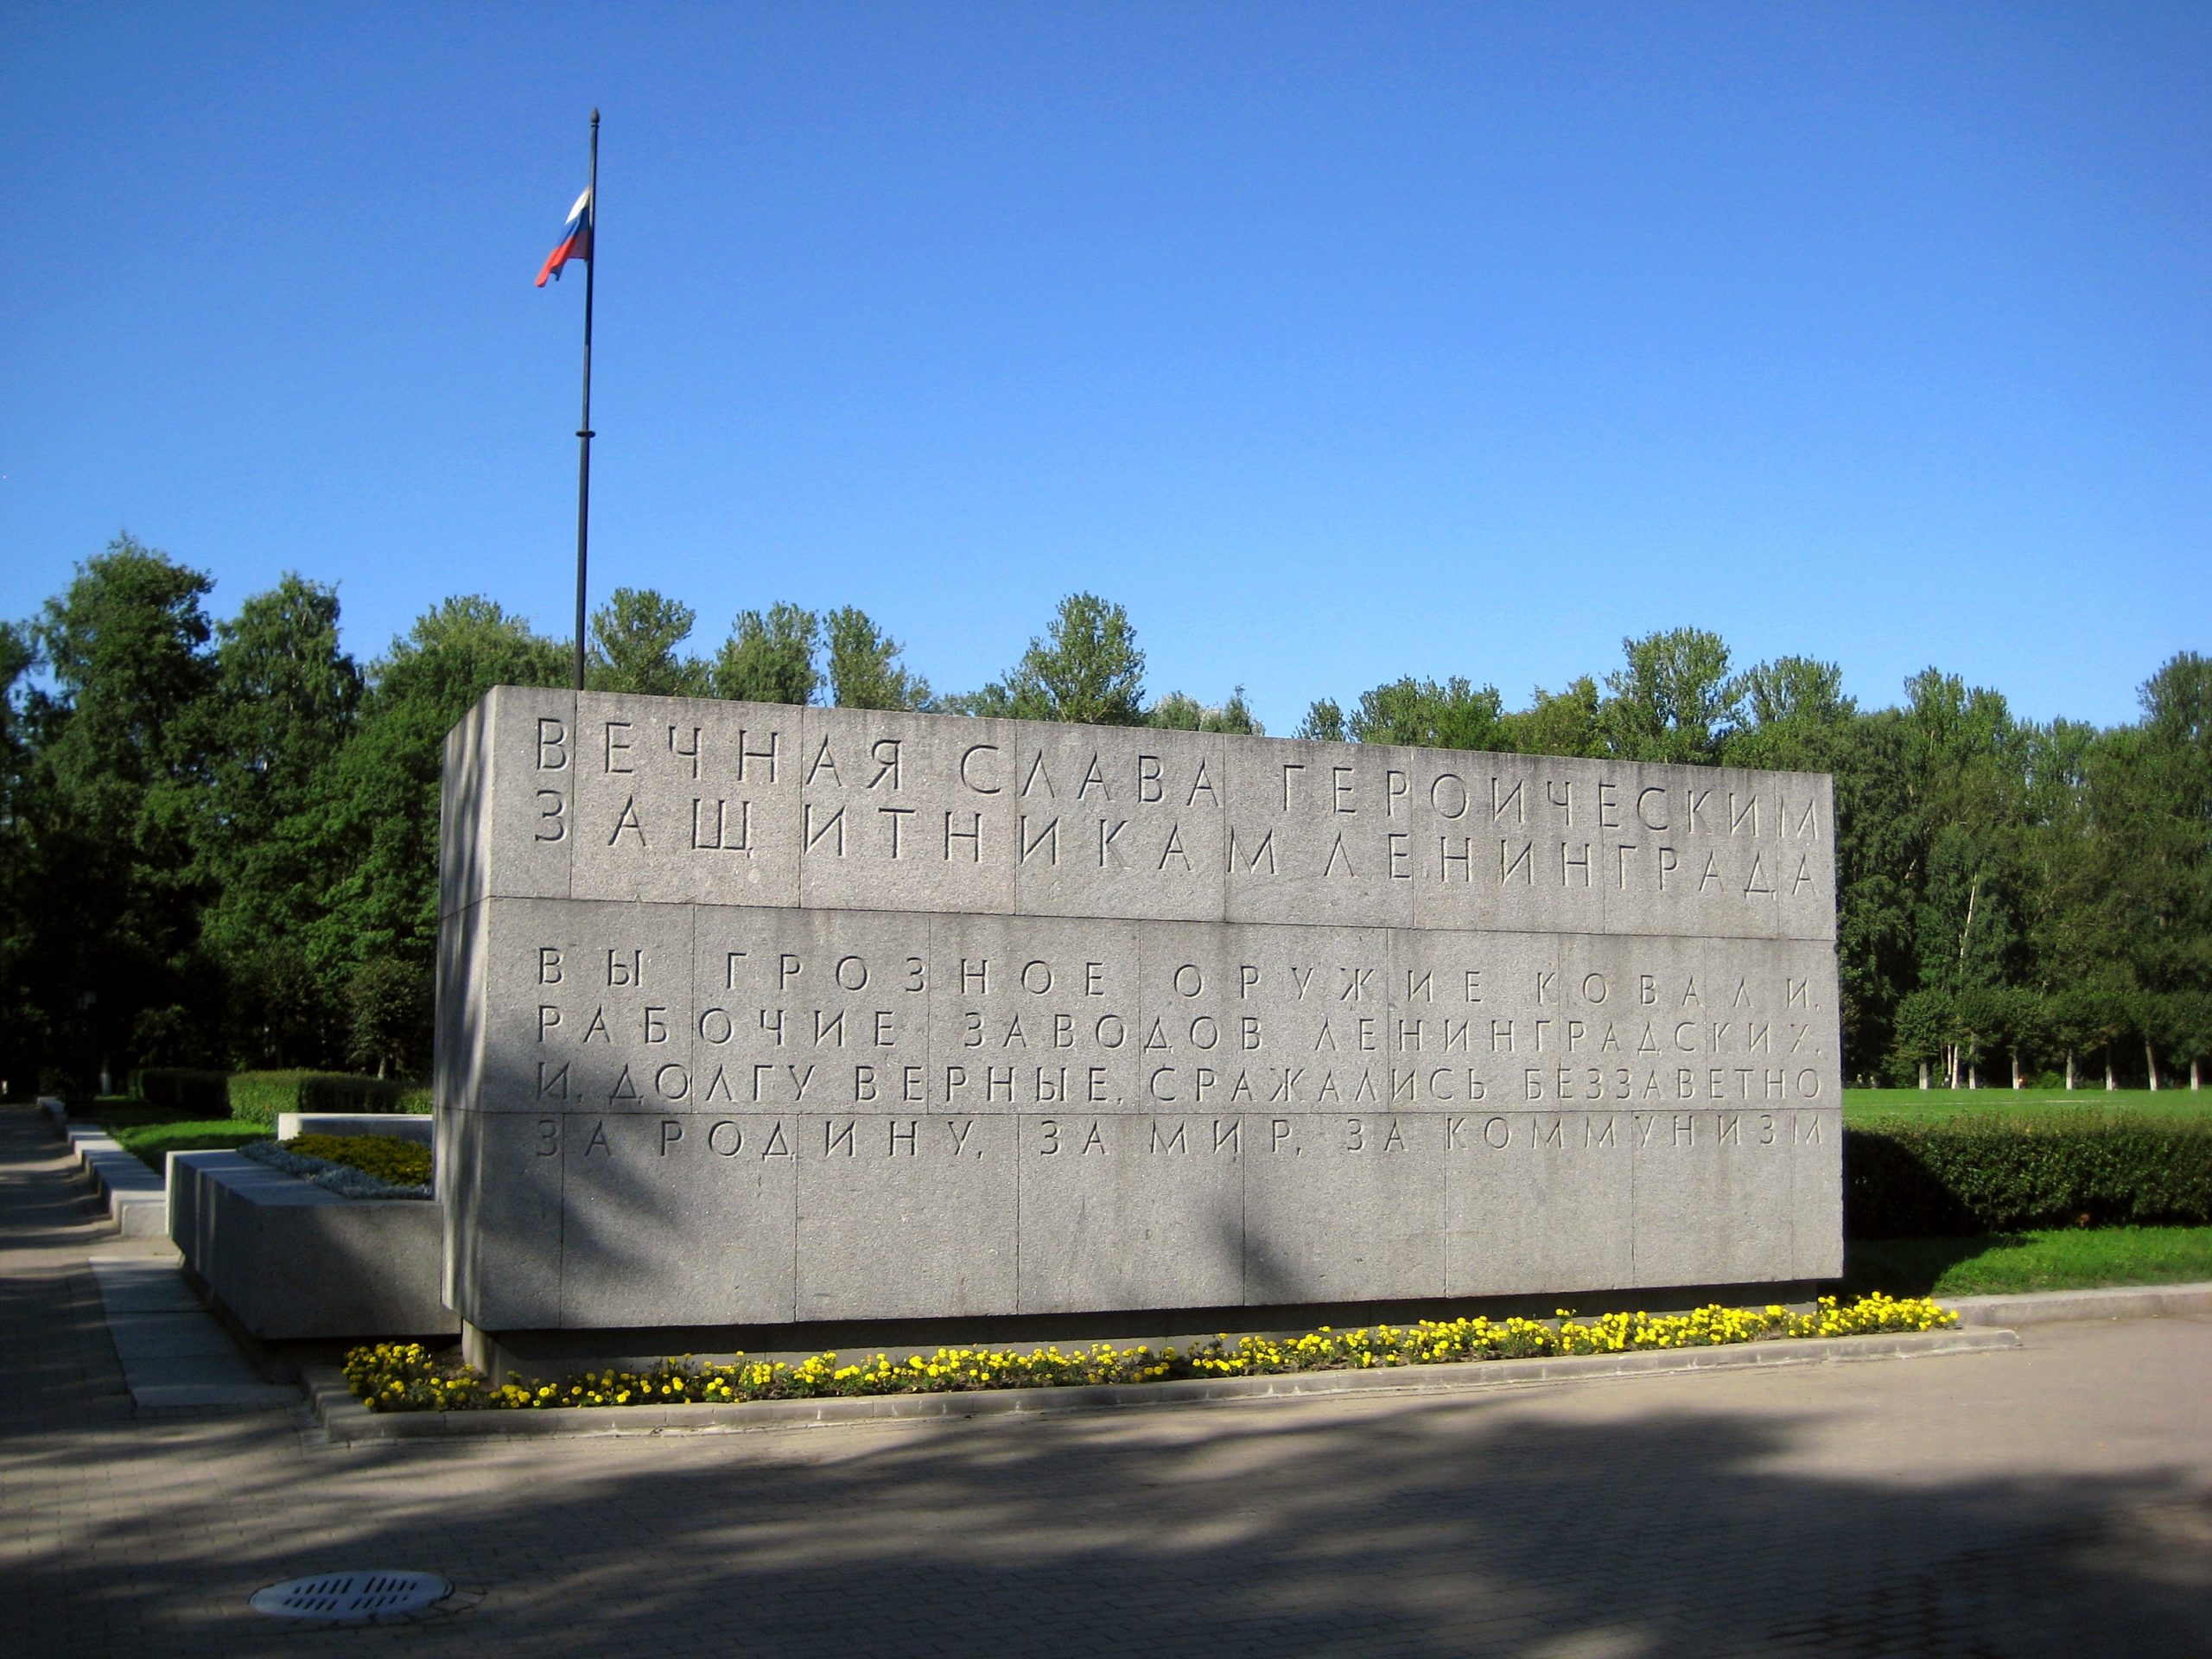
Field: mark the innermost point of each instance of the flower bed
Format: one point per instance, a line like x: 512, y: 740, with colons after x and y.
x: 352, y: 1166
x: 406, y: 1376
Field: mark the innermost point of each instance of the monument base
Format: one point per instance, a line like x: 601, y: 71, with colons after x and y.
x: 552, y: 1353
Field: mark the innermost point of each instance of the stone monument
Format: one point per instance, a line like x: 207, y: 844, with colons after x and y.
x: 762, y: 1016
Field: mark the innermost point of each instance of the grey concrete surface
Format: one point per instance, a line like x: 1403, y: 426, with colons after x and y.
x: 403, y: 1126
x: 2053, y: 1500
x: 291, y: 1260
x: 2060, y: 1306
x: 130, y: 1193
x: 842, y: 1014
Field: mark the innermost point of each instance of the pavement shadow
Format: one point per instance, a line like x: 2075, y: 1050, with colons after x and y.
x: 1418, y: 1528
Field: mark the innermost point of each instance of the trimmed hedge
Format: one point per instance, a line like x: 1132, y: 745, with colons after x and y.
x: 258, y: 1097
x: 2000, y: 1174
x: 183, y: 1090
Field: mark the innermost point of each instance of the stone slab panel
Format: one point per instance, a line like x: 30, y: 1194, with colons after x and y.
x: 1115, y: 822
x: 1033, y: 1013
x: 907, y: 812
x: 807, y: 1007
x: 1816, y: 1194
x: 507, y: 804
x: 680, y: 800
x: 1128, y: 1210
x: 588, y: 1006
x: 682, y: 1218
x: 498, y: 1193
x: 1343, y: 1207
x: 905, y: 1218
x: 1713, y: 1197
x: 293, y: 1261
x: 1538, y: 1201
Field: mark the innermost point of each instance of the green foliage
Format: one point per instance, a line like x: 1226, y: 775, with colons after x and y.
x: 1177, y: 712
x: 402, y: 1163
x: 1558, y: 722
x: 2056, y: 1258
x: 379, y: 814
x: 1450, y: 716
x: 389, y: 1000
x: 1087, y: 669
x: 1324, y: 722
x: 769, y: 657
x: 2001, y: 1174
x: 109, y: 885
x: 864, y: 668
x: 259, y: 1097
x: 1673, y: 701
x: 152, y: 1143
x: 635, y: 637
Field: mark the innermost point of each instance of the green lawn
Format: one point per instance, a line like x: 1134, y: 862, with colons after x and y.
x: 151, y: 1141
x: 2060, y: 1259
x: 1932, y: 1105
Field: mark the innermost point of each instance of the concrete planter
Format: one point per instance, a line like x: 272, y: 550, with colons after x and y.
x: 289, y: 1260
x: 398, y: 1126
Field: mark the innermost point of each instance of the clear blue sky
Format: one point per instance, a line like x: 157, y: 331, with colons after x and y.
x: 1336, y: 341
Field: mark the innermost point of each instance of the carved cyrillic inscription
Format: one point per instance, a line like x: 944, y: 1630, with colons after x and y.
x: 679, y: 801
x: 885, y: 1012
x: 760, y: 1014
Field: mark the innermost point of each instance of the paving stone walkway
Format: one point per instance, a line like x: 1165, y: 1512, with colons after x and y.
x: 175, y: 1356
x: 2052, y: 1500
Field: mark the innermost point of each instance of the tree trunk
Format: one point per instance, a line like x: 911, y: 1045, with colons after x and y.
x: 1923, y: 1074
x: 2193, y: 1066
x: 2111, y: 1081
x: 2151, y: 1063
x: 2018, y: 1082
x: 1973, y: 1074
x: 2070, y: 1070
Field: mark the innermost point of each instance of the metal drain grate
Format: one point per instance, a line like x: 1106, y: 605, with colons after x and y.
x: 352, y: 1598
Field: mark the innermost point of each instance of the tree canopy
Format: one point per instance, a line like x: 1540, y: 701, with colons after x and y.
x: 219, y: 837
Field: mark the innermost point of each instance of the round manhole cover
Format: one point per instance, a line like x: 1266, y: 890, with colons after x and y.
x: 352, y: 1598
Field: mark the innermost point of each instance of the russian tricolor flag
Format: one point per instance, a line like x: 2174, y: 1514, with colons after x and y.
x: 575, y: 239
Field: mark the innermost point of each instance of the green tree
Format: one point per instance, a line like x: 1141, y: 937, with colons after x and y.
x: 1795, y: 716
x: 1324, y: 722
x: 1926, y: 1028
x: 1087, y: 669
x: 865, y: 671
x: 388, y: 1003
x: 119, y: 759
x: 283, y: 702
x: 379, y: 817
x: 1177, y: 712
x: 1557, y: 722
x: 635, y: 637
x: 769, y: 657
x: 1673, y: 701
x: 23, y: 1026
x: 1450, y: 714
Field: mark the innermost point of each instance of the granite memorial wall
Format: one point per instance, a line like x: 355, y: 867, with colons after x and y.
x: 755, y: 1014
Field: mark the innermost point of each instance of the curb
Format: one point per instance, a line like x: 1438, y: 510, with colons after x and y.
x: 349, y: 1422
x: 134, y: 1198
x: 2053, y: 1307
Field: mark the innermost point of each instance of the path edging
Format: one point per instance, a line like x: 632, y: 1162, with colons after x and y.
x: 2109, y: 1302
x: 348, y: 1420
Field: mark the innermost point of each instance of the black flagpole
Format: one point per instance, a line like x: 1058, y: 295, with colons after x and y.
x: 583, y: 431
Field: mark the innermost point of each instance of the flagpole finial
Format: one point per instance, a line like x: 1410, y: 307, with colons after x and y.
x: 594, y: 115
